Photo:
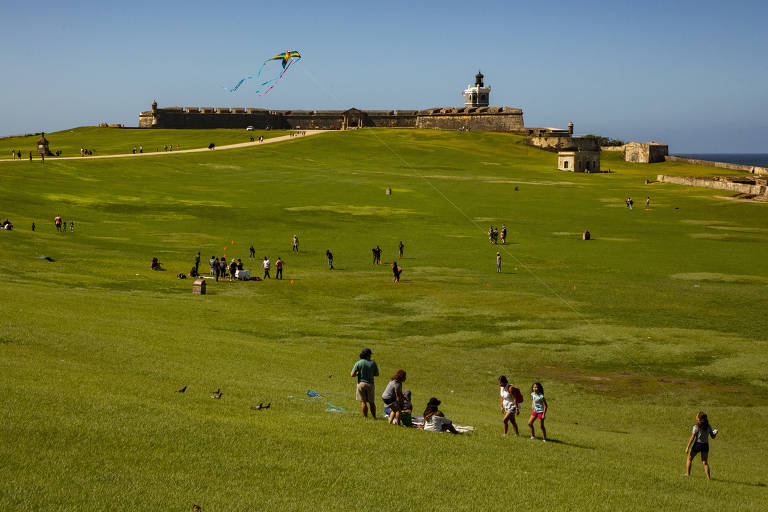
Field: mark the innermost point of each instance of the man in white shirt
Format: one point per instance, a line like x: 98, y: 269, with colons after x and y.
x: 266, y: 268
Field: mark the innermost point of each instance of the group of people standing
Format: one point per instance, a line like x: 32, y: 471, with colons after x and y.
x: 494, y: 234
x: 60, y: 224
x: 219, y: 266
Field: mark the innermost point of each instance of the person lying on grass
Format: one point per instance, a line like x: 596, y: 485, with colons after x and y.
x: 699, y: 443
x: 435, y: 420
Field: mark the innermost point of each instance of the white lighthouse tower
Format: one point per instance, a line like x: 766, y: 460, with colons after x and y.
x: 477, y: 95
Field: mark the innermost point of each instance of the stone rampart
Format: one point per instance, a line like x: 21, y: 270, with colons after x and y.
x: 751, y: 186
x: 723, y: 165
x: 560, y: 143
x: 489, y: 119
x: 502, y: 119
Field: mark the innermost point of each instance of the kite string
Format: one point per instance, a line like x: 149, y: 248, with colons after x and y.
x: 503, y: 248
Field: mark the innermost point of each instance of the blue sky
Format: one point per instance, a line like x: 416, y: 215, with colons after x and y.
x: 691, y: 74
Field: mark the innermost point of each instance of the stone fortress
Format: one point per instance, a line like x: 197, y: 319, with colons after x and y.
x: 476, y: 114
x: 576, y: 154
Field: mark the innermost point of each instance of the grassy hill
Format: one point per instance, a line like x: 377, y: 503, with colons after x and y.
x: 660, y: 316
x: 112, y: 141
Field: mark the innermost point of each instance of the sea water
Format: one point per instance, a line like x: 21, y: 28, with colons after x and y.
x: 758, y: 159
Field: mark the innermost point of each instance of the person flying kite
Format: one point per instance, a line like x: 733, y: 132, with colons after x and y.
x: 288, y: 58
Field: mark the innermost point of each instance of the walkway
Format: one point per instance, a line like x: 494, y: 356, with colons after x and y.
x: 196, y: 150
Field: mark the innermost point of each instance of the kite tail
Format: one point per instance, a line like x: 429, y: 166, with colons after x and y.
x: 274, y: 81
x: 242, y: 80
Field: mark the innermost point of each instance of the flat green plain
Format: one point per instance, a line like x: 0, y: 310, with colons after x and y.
x: 661, y: 315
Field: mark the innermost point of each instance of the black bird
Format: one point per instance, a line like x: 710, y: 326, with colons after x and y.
x: 261, y: 406
x: 217, y: 392
x: 181, y: 390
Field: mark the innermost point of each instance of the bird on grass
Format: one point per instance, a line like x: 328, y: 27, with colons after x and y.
x: 181, y: 390
x: 261, y: 406
x: 217, y: 394
x: 196, y: 507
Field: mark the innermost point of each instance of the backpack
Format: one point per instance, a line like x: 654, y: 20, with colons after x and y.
x: 515, y: 393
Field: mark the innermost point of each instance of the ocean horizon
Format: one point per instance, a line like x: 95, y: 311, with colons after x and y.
x: 758, y: 159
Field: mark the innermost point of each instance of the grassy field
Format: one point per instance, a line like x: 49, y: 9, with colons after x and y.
x: 660, y: 316
x: 113, y: 141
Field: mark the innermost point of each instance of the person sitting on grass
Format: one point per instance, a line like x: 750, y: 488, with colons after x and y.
x: 699, y: 443
x: 539, y: 406
x: 156, y: 265
x: 393, y: 396
x: 406, y: 409
x: 435, y: 420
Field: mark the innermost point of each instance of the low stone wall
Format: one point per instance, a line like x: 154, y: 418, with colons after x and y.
x: 723, y: 165
x: 755, y: 187
x: 612, y: 148
x: 565, y: 143
x: 456, y: 119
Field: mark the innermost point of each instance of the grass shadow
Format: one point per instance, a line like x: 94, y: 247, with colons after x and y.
x: 575, y: 445
x: 749, y: 484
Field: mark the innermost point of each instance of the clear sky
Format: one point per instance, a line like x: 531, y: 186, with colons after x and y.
x: 693, y: 74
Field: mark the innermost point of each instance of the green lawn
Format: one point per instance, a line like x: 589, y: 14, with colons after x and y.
x: 660, y: 316
x: 114, y: 141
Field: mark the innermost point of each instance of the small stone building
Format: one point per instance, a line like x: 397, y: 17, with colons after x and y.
x: 576, y: 160
x: 645, y: 152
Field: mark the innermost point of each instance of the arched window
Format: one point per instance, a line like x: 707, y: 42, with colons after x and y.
x: 565, y: 164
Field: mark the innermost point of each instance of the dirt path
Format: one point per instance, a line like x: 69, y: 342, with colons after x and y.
x: 196, y: 150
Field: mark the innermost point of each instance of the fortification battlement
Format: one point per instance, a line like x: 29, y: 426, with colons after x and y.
x: 252, y: 110
x: 500, y: 119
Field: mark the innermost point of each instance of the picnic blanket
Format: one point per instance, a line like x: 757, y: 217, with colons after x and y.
x: 418, y: 422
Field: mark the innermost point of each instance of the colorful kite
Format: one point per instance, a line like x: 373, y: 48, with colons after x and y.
x: 288, y: 58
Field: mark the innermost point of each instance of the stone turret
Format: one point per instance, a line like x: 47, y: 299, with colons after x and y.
x: 154, y: 107
x: 42, y: 146
x: 477, y: 95
x: 570, y: 128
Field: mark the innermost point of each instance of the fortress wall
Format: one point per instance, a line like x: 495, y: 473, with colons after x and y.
x: 390, y: 119
x: 723, y: 165
x: 612, y: 148
x: 205, y: 117
x: 497, y: 119
x: 558, y: 143
x: 491, y: 122
x: 754, y: 188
